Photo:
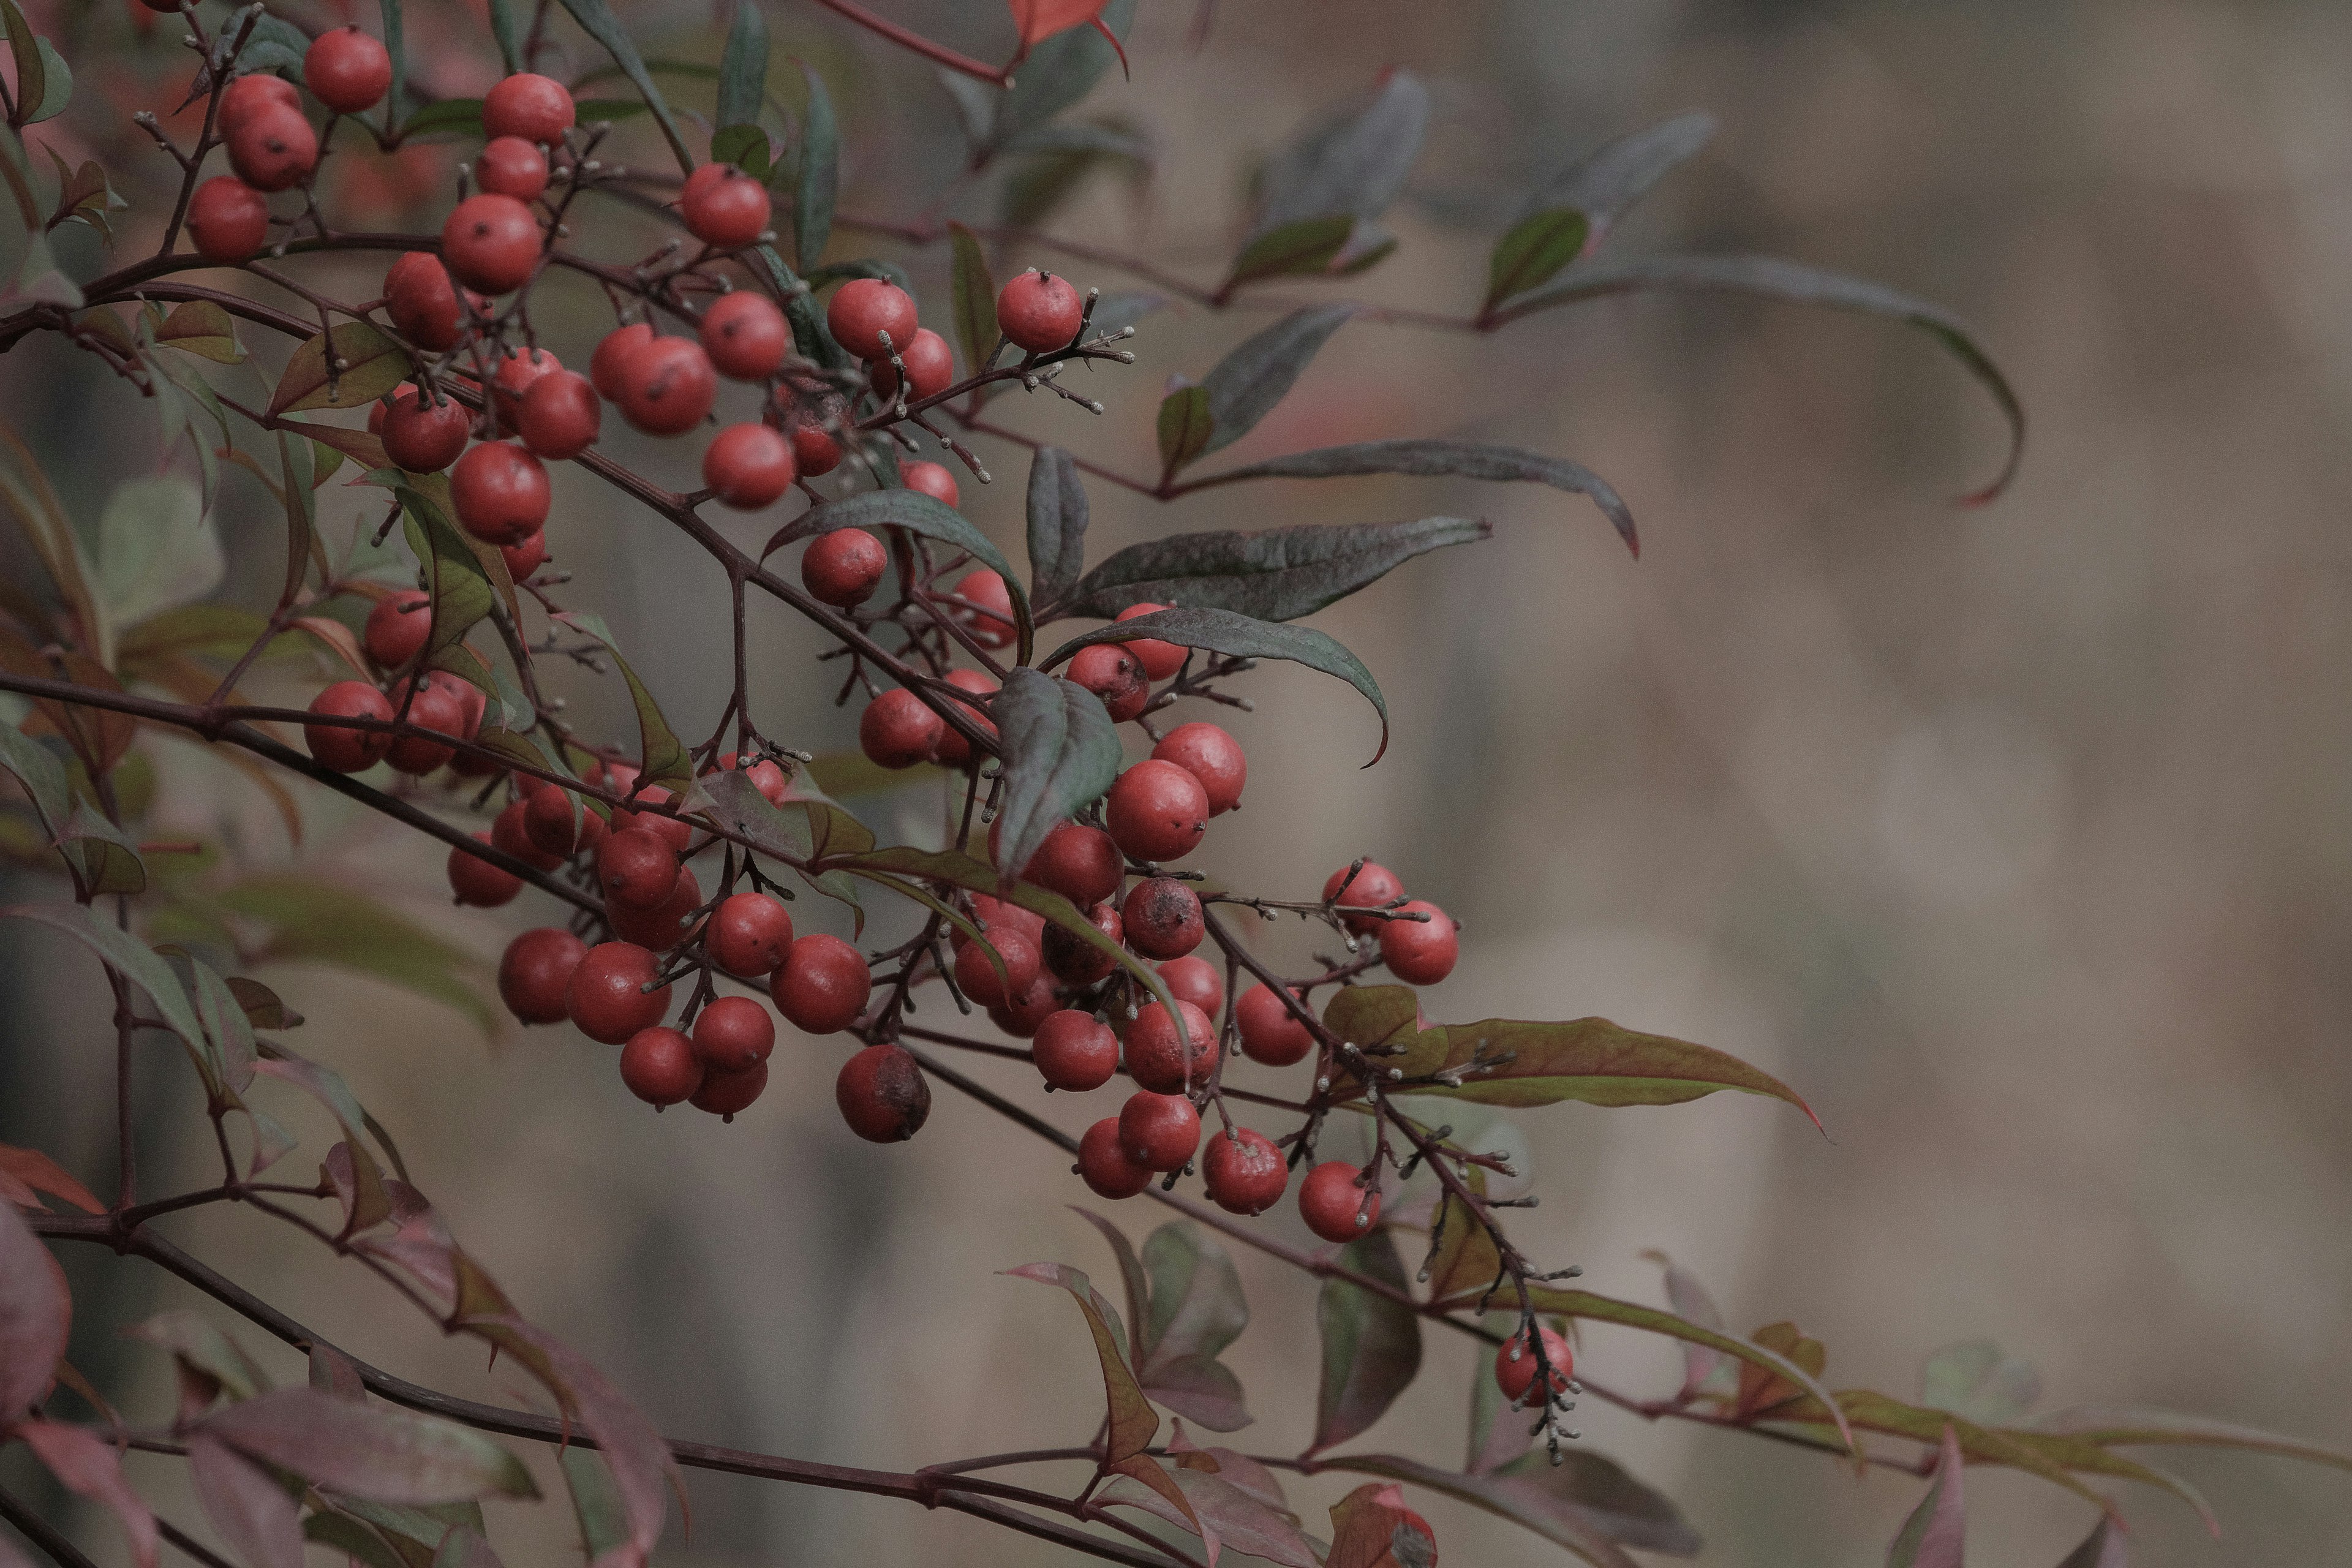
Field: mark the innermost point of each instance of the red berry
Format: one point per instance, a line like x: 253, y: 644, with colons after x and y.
x: 636, y: 869
x: 723, y: 206
x: 667, y: 386
x: 1211, y: 755
x: 425, y: 436
x: 397, y: 627
x: 953, y: 750
x: 607, y: 365
x: 1161, y: 659
x: 1515, y: 1362
x: 815, y: 448
x: 1420, y: 952
x: 1158, y: 1132
x: 1194, y: 980
x: 883, y: 1094
x: 996, y: 915
x: 843, y: 567
x: 671, y: 831
x: 227, y: 219
x: 978, y: 977
x: 535, y: 108
x: 518, y: 370
x: 535, y: 974
x: 273, y: 148
x: 558, y: 825
x: 559, y: 416
x: 991, y: 626
x: 510, y: 166
x: 491, y: 243
x: 822, y: 986
x: 1080, y: 863
x: 607, y: 997
x: 1074, y: 1050
x: 347, y: 70
x: 1075, y: 962
x: 749, y: 934
x: 1157, y: 811
x: 501, y: 493
x: 249, y: 95
x: 896, y: 730
x: 1104, y: 1165
x: 765, y: 775
x: 1039, y: 312
x: 422, y: 300
x: 471, y: 698
x: 1245, y: 1173
x: 724, y: 1094
x: 1162, y: 917
x: 745, y: 335
x: 439, y: 709
x: 862, y: 309
x: 1333, y: 1205
x: 659, y: 1068
x: 930, y: 370
x: 747, y: 466
x: 934, y: 480
x: 1373, y: 886
x: 1161, y: 1063
x: 525, y: 558
x: 476, y: 881
x: 1116, y: 676
x: 734, y: 1033
x: 661, y: 928
x: 1031, y: 1007
x: 1269, y: 1032
x: 511, y: 832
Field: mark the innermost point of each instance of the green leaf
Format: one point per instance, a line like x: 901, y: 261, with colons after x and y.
x: 743, y: 68
x: 1602, y: 187
x: 1185, y: 425
x: 597, y: 20
x: 973, y: 292
x: 1244, y: 637
x: 1534, y: 249
x: 1057, y: 525
x: 2132, y: 1427
x: 662, y: 756
x: 57, y: 84
x: 508, y: 36
x: 1060, y: 750
x: 1279, y: 574
x: 457, y: 116
x: 1371, y: 1343
x: 745, y: 146
x: 1770, y: 278
x: 1292, y: 249
x: 295, y: 461
x: 101, y: 855
x: 1132, y: 1421
x: 32, y: 67
x: 204, y: 329
x: 1588, y: 1504
x: 1439, y: 459
x: 373, y: 364
x: 594, y: 1504
x: 1933, y: 1536
x: 156, y: 549
x: 85, y: 196
x: 917, y: 513
x: 369, y: 1450
x: 276, y: 45
x: 462, y: 594
x: 397, y: 48
x: 1246, y: 383
x: 1974, y: 1381
x: 820, y: 173
x: 1058, y: 72
x: 1196, y: 1310
x: 316, y: 922
x: 1345, y: 171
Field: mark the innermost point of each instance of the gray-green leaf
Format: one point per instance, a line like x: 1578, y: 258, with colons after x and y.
x: 1060, y: 751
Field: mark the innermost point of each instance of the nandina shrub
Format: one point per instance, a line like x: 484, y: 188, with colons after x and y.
x: 1079, y: 898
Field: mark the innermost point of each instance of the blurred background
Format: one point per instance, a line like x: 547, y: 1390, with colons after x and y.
x: 2015, y: 838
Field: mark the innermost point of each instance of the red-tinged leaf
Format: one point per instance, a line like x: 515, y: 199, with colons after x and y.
x: 1132, y: 1421
x: 337, y: 639
x: 1237, y: 1468
x: 1587, y: 1504
x: 1199, y: 1388
x: 595, y: 1504
x: 419, y: 1242
x: 369, y: 1450
x: 1153, y: 1487
x: 366, y: 1200
x: 1934, y: 1536
x: 332, y: 1372
x: 1041, y: 19
x: 88, y: 1468
x: 209, y: 1363
x: 1467, y: 1261
x: 1704, y: 1371
x: 2047, y: 1455
x: 1197, y: 1306
x: 372, y: 364
x: 1372, y: 1528
x: 2131, y: 1427
x: 2103, y: 1548
x: 360, y: 448
x: 12, y: 1558
x: 251, y: 1510
x: 36, y: 1315
x: 1760, y: 1388
x: 42, y: 1174
x: 1371, y: 1343
x: 1130, y: 1266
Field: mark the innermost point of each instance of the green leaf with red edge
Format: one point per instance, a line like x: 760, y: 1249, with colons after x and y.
x: 1184, y: 426
x: 1276, y: 574
x: 1195, y: 1309
x: 32, y: 65
x: 1372, y: 1528
x: 37, y: 1172
x: 367, y: 1449
x: 89, y: 1467
x: 1935, y: 1534
x: 974, y: 294
x: 36, y: 1315
x: 1773, y: 277
x: 1132, y: 1420
x: 372, y: 365
x: 1130, y: 1266
x: 254, y: 1514
x: 1588, y: 1504
x: 1371, y: 1343
x: 203, y: 329
x: 662, y: 757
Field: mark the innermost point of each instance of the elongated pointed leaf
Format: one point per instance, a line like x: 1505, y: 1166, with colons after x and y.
x: 106, y: 858
x: 743, y: 68
x: 1246, y: 383
x: 508, y: 36
x: 595, y: 1506
x: 597, y: 20
x: 139, y: 963
x: 1771, y: 277
x: 1197, y: 1306
x: 973, y: 293
x: 1130, y: 1268
x: 1279, y: 574
x: 1293, y: 249
x: 1354, y: 164
x: 662, y: 756
x: 1371, y: 1343
x: 1588, y: 1504
x: 1214, y: 1505
x: 1439, y: 459
x: 1933, y: 1536
x: 1569, y: 215
x: 1057, y: 525
x: 1060, y: 749
x: 1534, y: 249
x: 89, y: 1467
x: 203, y: 329
x: 40, y: 1174
x: 35, y: 1316
x: 251, y: 1510
x: 1132, y: 1420
x: 369, y: 1450
x: 461, y: 590
x: 32, y: 67
x: 820, y: 173
x: 372, y: 365
x: 2134, y: 1426
x: 1244, y: 637
x: 1184, y: 426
